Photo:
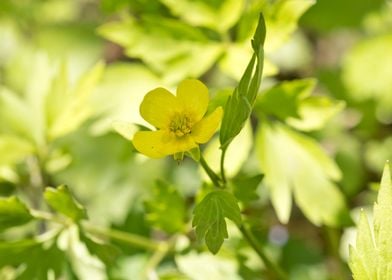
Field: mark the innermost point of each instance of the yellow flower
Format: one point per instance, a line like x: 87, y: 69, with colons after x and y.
x: 179, y: 120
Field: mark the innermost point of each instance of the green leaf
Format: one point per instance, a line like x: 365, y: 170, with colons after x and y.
x: 209, y: 218
x: 220, y: 16
x: 107, y: 253
x: 13, y: 213
x: 364, y: 85
x: 36, y: 258
x: 13, y: 149
x: 281, y: 20
x: 239, y: 105
x: 127, y: 83
x: 70, y: 107
x: 283, y: 100
x: 371, y: 257
x: 166, y: 208
x: 315, y: 112
x: 170, y: 47
x: 245, y: 187
x: 61, y: 200
x: 14, y: 115
x: 291, y: 102
x: 295, y: 164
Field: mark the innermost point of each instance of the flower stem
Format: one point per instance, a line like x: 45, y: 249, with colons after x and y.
x: 271, y: 266
x: 214, y: 178
x: 125, y: 237
x: 222, y: 165
x: 246, y: 233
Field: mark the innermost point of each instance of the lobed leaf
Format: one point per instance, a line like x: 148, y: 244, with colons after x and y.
x: 13, y: 213
x: 61, y: 200
x: 295, y: 165
x: 209, y: 218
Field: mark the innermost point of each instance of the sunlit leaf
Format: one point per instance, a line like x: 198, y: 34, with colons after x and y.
x: 314, y: 112
x: 209, y: 218
x: 75, y: 102
x: 13, y: 149
x: 366, y: 73
x: 118, y: 97
x: 283, y: 100
x: 204, y: 13
x: 13, y: 213
x: 169, y: 47
x: 205, y: 266
x: 281, y: 20
x: 370, y: 259
x: 295, y: 165
x: 62, y: 201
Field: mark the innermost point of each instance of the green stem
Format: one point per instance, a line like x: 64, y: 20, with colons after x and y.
x: 222, y: 165
x: 125, y: 237
x: 163, y: 249
x: 247, y: 234
x: 214, y: 178
x: 131, y: 239
x: 271, y: 266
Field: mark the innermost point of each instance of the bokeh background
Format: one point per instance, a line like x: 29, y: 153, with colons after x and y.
x: 69, y: 69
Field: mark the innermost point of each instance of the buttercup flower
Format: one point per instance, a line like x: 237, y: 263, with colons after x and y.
x: 179, y: 119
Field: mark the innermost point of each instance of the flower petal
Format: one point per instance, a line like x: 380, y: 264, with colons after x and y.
x: 157, y: 144
x: 179, y: 144
x: 150, y: 143
x: 158, y: 106
x: 193, y: 97
x: 204, y: 129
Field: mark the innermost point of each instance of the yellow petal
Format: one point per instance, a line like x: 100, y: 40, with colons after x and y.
x: 204, y: 129
x: 157, y: 144
x: 158, y: 106
x: 150, y: 143
x: 193, y: 97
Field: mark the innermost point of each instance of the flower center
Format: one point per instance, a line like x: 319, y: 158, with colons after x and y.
x: 180, y: 125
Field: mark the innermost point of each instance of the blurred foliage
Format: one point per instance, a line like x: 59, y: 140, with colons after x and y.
x: 301, y: 151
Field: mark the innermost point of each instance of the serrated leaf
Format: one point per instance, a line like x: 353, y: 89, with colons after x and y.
x: 371, y: 257
x: 295, y: 164
x: 239, y: 105
x: 209, y: 218
x: 61, y: 200
x: 13, y: 213
x: 166, y: 208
